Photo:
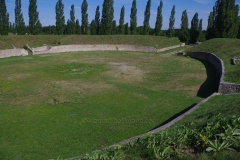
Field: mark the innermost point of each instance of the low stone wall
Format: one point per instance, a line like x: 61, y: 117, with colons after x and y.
x: 13, y: 52
x: 224, y: 87
x: 172, y: 47
x: 229, y: 88
x: 103, y: 47
x: 41, y: 49
x: 235, y: 59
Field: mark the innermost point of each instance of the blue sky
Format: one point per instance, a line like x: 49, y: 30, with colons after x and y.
x: 47, y: 14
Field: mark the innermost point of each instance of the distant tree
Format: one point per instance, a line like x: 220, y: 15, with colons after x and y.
x: 4, y: 18
x: 121, y: 21
x: 39, y: 26
x: 133, y: 18
x: 114, y: 28
x: 126, y: 29
x: 67, y: 29
x: 147, y: 14
x: 84, y: 9
x: 107, y: 17
x: 159, y: 20
x: 171, y: 22
x: 78, y: 27
x: 72, y: 23
x: 201, y: 36
x: 210, y: 28
x: 184, y: 35
x: 60, y: 19
x: 93, y: 27
x: 194, y: 32
x: 226, y: 18
x: 19, y: 21
x: 97, y: 20
x: 33, y: 17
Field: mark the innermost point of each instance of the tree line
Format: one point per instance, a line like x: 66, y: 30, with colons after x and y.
x: 223, y: 21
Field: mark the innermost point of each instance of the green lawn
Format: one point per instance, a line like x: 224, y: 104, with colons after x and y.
x: 226, y: 49
x: 72, y: 103
x: 40, y: 40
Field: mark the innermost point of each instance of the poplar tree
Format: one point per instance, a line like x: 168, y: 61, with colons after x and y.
x: 126, y: 29
x: 60, y: 19
x: 33, y: 17
x: 201, y: 36
x: 171, y: 22
x: 147, y: 14
x: 114, y: 28
x: 184, y: 35
x: 226, y: 20
x: 107, y: 17
x: 210, y: 27
x: 133, y: 18
x: 194, y: 32
x: 238, y: 36
x: 78, y: 27
x: 84, y: 9
x: 93, y: 27
x: 97, y: 20
x: 19, y: 20
x: 72, y: 23
x: 159, y: 19
x: 121, y: 21
x: 4, y: 18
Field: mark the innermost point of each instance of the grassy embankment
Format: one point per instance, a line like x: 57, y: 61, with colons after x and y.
x: 72, y: 103
x: 224, y: 49
x: 40, y: 40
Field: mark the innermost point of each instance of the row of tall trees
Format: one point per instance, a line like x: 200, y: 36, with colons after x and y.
x: 223, y: 21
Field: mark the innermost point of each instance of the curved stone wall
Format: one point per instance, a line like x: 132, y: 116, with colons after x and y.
x: 13, y: 52
x: 224, y: 87
x: 103, y: 47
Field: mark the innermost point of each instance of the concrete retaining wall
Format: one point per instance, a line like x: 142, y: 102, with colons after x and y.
x: 13, y: 52
x: 224, y: 88
x: 103, y: 47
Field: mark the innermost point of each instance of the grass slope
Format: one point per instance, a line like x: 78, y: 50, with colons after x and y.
x: 222, y: 106
x: 225, y: 49
x: 40, y: 40
x: 72, y: 103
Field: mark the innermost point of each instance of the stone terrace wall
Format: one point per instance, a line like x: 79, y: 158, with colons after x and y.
x: 224, y: 88
x: 104, y: 47
x: 172, y: 47
x: 13, y: 52
x: 229, y: 88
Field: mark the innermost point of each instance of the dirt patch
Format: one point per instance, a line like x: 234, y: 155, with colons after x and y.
x: 18, y: 76
x: 125, y: 72
x: 93, y: 60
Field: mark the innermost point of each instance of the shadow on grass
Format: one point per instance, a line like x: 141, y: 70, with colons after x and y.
x: 175, y: 116
x: 212, y: 82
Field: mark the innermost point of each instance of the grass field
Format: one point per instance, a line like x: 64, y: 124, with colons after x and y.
x: 225, y: 49
x: 73, y: 103
x: 40, y: 40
